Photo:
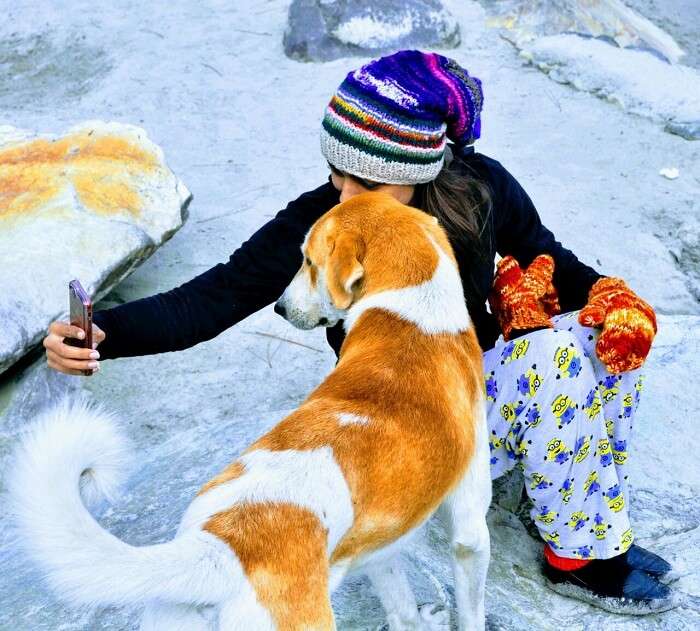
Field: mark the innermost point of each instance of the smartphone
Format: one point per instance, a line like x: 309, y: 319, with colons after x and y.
x: 81, y: 316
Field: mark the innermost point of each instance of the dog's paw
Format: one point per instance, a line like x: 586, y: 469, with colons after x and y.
x: 434, y: 616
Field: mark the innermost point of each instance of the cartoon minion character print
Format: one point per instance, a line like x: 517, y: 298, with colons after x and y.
x: 584, y: 552
x: 577, y: 520
x: 510, y: 411
x: 567, y: 361
x: 522, y: 448
x: 600, y: 528
x: 515, y: 349
x: 619, y: 451
x: 533, y: 416
x: 539, y: 482
x: 546, y: 516
x: 495, y: 443
x: 529, y: 382
x: 627, y: 404
x: 615, y: 498
x: 582, y: 448
x: 491, y: 386
x: 552, y: 539
x: 625, y: 541
x: 564, y: 409
x: 610, y: 427
x: 591, y: 485
x: 593, y: 404
x: 557, y: 451
x: 638, y: 385
x: 604, y: 452
x: 608, y: 388
x: 567, y: 490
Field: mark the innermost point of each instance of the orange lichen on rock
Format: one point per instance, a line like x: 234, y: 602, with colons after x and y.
x: 99, y: 168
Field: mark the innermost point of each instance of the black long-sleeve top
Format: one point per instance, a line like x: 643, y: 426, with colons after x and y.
x: 257, y: 273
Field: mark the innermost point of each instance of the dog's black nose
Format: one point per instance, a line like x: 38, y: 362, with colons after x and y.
x: 280, y: 309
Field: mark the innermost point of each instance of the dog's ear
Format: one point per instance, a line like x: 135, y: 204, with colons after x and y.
x: 344, y: 270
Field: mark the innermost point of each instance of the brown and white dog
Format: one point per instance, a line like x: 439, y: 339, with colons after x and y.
x: 396, y: 431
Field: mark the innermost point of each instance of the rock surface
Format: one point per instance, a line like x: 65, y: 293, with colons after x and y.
x: 524, y: 21
x: 665, y: 513
x: 689, y: 130
x: 679, y: 18
x: 90, y: 204
x: 321, y: 30
x: 48, y: 65
x: 608, y: 49
x: 635, y: 80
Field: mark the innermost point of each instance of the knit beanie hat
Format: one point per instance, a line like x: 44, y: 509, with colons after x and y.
x: 388, y: 121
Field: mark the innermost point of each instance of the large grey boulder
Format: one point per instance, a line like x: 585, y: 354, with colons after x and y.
x: 665, y: 479
x: 91, y: 204
x: 321, y: 30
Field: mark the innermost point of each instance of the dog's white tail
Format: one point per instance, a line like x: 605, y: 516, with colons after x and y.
x: 75, y: 452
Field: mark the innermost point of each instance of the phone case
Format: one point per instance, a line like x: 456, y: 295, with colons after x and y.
x: 80, y: 316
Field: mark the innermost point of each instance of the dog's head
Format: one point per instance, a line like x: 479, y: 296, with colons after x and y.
x: 367, y: 244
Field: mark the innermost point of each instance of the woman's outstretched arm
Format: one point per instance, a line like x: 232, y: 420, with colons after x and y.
x: 254, y: 276
x: 198, y: 310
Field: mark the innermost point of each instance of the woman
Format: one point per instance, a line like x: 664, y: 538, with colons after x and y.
x: 553, y: 407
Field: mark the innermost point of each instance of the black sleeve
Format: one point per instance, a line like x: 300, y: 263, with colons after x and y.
x: 255, y: 275
x: 520, y: 233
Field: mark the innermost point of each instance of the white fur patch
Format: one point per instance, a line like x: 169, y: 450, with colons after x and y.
x: 310, y: 479
x: 346, y: 418
x: 435, y: 306
x: 84, y: 563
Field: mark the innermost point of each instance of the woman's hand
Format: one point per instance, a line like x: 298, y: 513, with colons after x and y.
x: 523, y: 300
x: 71, y: 359
x: 628, y: 323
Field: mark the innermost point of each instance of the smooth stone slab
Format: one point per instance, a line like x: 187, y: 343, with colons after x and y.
x: 90, y: 204
x: 637, y: 81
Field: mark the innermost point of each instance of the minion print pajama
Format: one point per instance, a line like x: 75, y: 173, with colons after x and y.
x: 554, y: 410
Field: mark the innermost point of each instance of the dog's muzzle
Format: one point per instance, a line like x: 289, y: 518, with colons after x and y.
x: 281, y: 310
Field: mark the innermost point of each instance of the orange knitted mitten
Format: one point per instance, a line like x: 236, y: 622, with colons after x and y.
x: 524, y: 300
x: 628, y: 322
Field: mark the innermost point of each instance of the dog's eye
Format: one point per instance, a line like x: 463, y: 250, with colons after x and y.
x: 307, y: 260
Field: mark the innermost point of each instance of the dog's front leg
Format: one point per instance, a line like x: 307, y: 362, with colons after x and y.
x: 391, y: 585
x: 465, y: 510
x: 394, y: 591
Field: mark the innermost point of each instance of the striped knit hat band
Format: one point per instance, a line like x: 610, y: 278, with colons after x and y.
x: 389, y: 120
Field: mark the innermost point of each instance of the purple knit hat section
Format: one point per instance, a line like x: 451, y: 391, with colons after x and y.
x: 425, y: 86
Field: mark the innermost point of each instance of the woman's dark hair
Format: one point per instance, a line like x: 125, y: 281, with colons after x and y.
x: 461, y: 203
